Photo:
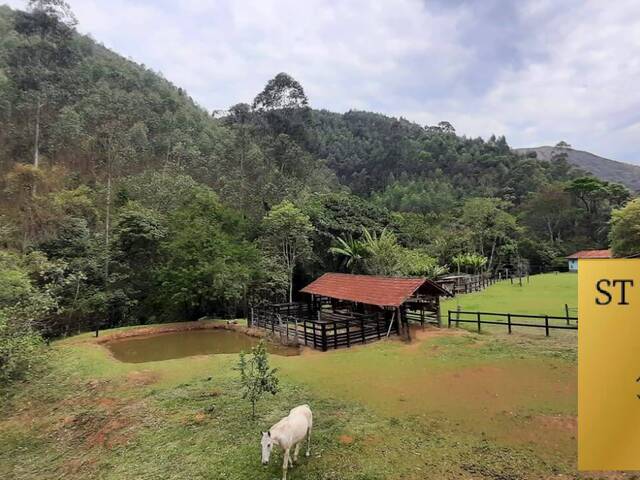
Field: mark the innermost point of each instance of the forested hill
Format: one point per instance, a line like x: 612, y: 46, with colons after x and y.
x: 123, y: 201
x: 604, y: 168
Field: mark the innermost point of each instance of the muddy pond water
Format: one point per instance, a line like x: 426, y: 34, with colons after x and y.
x: 167, y: 346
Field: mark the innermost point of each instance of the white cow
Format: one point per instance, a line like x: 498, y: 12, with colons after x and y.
x: 287, y: 433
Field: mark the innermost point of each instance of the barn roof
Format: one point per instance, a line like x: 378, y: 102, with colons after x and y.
x: 590, y: 254
x: 370, y: 289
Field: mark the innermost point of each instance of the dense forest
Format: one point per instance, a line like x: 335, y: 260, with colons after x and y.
x: 122, y: 201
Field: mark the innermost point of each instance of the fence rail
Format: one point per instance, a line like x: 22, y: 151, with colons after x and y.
x: 470, y: 285
x: 327, y: 330
x: 511, y: 320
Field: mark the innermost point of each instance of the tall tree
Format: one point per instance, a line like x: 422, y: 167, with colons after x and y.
x: 207, y: 264
x: 45, y: 54
x: 287, y: 235
x: 548, y: 212
x: 490, y: 225
x: 284, y: 107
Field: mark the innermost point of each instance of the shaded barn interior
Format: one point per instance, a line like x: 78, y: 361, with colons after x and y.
x: 343, y: 309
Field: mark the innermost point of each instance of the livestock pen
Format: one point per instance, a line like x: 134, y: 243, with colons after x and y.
x: 343, y: 310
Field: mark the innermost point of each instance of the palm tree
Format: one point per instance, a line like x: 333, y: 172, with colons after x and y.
x: 353, y: 251
x: 384, y: 253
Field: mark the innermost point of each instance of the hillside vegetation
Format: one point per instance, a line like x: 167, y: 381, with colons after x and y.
x: 123, y: 201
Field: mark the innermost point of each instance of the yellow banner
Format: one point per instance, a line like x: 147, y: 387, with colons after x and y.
x: 609, y: 364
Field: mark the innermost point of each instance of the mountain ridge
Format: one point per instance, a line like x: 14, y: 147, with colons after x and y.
x: 604, y: 168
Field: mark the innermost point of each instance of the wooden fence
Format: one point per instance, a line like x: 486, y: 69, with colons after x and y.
x: 510, y: 320
x: 423, y: 317
x: 324, y: 331
x: 470, y: 285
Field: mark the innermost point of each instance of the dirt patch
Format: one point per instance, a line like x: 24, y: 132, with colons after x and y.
x: 419, y: 335
x: 78, y: 465
x: 372, y: 440
x: 555, y: 433
x: 565, y: 423
x: 142, y: 378
x: 111, y: 434
x: 107, y: 403
x: 97, y: 384
x: 345, y: 439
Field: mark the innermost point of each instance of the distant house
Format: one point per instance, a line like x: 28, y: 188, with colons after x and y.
x: 573, y: 259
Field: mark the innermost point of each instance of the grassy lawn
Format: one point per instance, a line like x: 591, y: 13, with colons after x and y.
x: 542, y: 295
x: 450, y: 405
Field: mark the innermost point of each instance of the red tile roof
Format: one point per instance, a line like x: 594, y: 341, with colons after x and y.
x: 590, y: 254
x: 369, y: 289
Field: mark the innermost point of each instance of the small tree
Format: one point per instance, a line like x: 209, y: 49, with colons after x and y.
x: 256, y: 377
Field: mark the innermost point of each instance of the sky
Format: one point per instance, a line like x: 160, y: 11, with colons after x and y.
x: 535, y: 71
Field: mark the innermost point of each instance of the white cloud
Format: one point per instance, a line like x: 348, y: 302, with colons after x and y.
x: 531, y: 70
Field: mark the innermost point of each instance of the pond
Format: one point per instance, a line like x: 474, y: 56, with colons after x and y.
x: 167, y: 346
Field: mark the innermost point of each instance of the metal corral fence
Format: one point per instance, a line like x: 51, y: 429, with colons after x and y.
x: 510, y: 320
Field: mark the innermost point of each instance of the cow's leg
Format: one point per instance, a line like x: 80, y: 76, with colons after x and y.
x: 308, y: 442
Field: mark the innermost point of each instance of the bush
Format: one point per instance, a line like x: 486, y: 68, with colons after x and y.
x: 22, y: 310
x: 22, y: 350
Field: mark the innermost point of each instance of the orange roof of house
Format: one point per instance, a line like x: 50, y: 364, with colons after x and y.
x: 370, y: 289
x: 590, y: 254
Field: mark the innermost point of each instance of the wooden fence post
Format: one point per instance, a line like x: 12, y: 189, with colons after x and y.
x: 478, y: 315
x: 449, y: 317
x: 323, y: 330
x: 348, y: 335
x: 566, y: 312
x: 546, y: 325
x: 304, y: 327
x: 335, y: 335
x: 509, y: 322
x: 315, y: 342
x: 287, y: 327
x: 362, y: 329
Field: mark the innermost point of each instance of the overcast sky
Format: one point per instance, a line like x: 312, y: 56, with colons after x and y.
x: 535, y: 71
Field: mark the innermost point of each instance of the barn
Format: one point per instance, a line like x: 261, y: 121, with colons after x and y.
x: 573, y: 258
x: 341, y: 310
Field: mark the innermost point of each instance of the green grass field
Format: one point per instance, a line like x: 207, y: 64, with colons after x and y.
x: 450, y: 405
x: 544, y: 294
